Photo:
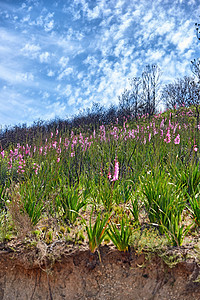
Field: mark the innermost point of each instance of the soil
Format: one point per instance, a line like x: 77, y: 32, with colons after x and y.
x: 66, y: 271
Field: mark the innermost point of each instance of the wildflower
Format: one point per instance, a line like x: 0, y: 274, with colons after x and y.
x: 177, y: 140
x: 195, y: 148
x: 58, y: 159
x: 116, y: 171
x: 149, y: 136
x: 54, y: 144
x: 40, y: 150
x: 2, y: 154
x: 109, y: 175
x: 168, y: 137
x: 36, y: 168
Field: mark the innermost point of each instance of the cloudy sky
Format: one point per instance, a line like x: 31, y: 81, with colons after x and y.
x: 59, y: 56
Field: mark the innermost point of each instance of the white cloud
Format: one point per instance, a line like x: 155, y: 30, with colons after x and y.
x: 24, y: 77
x: 13, y: 76
x: 155, y: 55
x: 63, y: 61
x: 93, y: 14
x: 148, y: 16
x: 65, y: 73
x: 185, y: 43
x: 44, y: 57
x: 166, y: 27
x: 31, y: 50
x: 71, y: 101
x: 50, y: 73
x: 48, y: 26
x: 26, y: 19
x: 68, y: 90
x: 46, y: 95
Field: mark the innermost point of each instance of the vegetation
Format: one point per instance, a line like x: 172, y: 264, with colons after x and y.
x: 104, y: 184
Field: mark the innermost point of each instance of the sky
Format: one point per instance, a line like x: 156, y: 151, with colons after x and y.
x: 57, y: 57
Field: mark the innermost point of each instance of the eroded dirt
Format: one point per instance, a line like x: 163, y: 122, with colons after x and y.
x: 64, y: 271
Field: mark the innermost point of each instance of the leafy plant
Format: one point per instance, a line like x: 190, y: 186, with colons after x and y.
x: 124, y: 192
x: 106, y: 191
x: 97, y: 231
x: 187, y: 176
x: 69, y: 198
x: 135, y: 209
x: 176, y: 232
x: 163, y: 199
x: 32, y: 194
x: 120, y: 234
x: 194, y: 207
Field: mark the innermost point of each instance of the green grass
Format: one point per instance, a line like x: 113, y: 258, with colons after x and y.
x: 61, y: 180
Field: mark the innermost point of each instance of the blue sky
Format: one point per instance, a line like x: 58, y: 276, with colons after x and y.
x: 57, y: 57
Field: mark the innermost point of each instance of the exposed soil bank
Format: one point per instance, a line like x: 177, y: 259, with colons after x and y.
x: 79, y: 275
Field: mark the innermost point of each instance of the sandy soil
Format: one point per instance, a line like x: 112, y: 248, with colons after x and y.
x: 64, y: 271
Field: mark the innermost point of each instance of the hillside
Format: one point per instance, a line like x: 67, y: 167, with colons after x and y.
x: 132, y: 187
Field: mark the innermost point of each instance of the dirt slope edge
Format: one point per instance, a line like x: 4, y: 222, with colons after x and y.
x: 78, y: 274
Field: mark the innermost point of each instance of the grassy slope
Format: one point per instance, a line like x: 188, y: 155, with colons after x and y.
x: 115, y: 183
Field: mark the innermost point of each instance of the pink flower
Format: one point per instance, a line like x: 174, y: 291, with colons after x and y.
x: 195, y: 148
x: 54, y: 144
x: 109, y: 175
x: 168, y: 137
x: 116, y: 171
x: 58, y: 159
x: 2, y: 154
x: 36, y: 168
x: 177, y: 140
x: 149, y: 136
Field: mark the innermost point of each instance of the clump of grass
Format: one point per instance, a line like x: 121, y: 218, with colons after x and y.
x: 164, y: 205
x: 97, y: 232
x: 120, y: 234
